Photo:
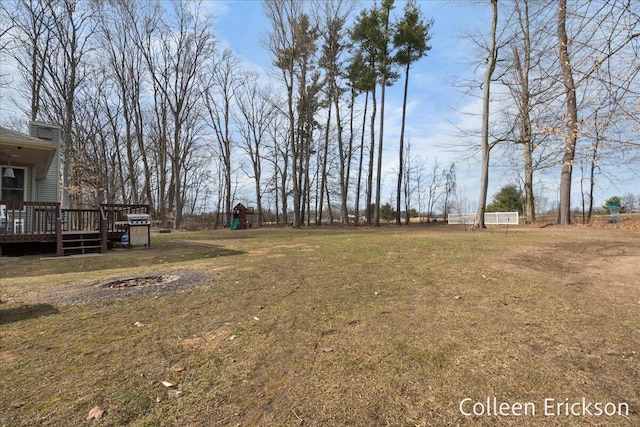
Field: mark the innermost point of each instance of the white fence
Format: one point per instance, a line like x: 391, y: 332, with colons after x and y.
x: 490, y: 218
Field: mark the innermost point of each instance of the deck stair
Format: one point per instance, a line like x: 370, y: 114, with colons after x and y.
x: 81, y: 242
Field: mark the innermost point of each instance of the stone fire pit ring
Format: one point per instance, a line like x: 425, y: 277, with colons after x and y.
x: 126, y: 287
x: 136, y: 281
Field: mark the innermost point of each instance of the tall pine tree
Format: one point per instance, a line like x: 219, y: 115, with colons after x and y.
x: 410, y: 41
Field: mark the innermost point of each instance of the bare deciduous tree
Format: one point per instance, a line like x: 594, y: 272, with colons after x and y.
x: 126, y: 66
x: 256, y: 113
x: 175, y: 55
x: 334, y: 16
x: 223, y: 80
x: 292, y: 43
x: 486, y: 94
x: 30, y: 47
x: 564, y: 216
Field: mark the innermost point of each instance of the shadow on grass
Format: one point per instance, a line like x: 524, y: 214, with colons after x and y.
x: 161, y: 253
x: 24, y: 312
x: 196, y: 249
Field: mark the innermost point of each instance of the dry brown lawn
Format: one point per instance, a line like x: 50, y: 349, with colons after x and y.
x: 327, y: 327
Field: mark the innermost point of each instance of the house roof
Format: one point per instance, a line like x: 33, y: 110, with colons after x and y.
x: 20, y: 149
x: 12, y: 137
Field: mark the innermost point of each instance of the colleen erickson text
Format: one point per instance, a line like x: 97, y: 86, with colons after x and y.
x: 548, y: 407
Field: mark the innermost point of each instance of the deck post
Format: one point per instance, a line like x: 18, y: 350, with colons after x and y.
x: 104, y: 225
x: 59, y: 250
x: 59, y: 245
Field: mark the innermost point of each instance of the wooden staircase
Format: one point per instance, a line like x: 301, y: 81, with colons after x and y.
x: 86, y: 231
x: 81, y: 242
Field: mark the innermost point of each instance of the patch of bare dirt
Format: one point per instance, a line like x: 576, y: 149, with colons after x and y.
x: 606, y: 260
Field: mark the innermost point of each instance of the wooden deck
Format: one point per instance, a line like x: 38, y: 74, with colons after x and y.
x: 71, y: 229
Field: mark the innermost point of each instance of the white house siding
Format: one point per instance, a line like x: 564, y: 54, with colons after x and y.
x: 46, y: 189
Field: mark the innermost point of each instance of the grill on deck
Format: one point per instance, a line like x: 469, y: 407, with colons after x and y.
x: 139, y: 229
x: 138, y: 219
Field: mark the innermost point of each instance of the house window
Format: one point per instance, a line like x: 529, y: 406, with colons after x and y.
x: 13, y: 189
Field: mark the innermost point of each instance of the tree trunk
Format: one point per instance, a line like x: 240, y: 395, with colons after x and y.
x: 564, y: 214
x: 376, y: 215
x: 592, y: 174
x: 401, y: 150
x: 177, y: 176
x: 143, y: 154
x: 307, y: 179
x: 343, y: 159
x: 285, y: 202
x: 369, y: 194
x: 384, y: 53
x: 275, y: 194
x: 350, y: 147
x: 522, y: 68
x: 258, y: 177
x: 131, y: 169
x: 323, y: 175
x: 294, y: 155
x: 529, y: 201
x: 329, y: 207
x: 486, y: 147
x: 406, y: 184
x: 162, y: 162
x: 359, y: 182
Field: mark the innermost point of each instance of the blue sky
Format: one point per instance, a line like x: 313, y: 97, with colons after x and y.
x: 241, y: 25
x: 435, y: 104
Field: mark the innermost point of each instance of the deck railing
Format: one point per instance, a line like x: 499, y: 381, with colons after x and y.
x: 116, y: 215
x: 45, y: 221
x: 80, y: 219
x: 28, y: 221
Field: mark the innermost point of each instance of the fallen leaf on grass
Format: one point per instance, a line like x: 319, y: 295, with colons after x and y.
x: 95, y: 413
x: 167, y: 384
x: 174, y: 394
